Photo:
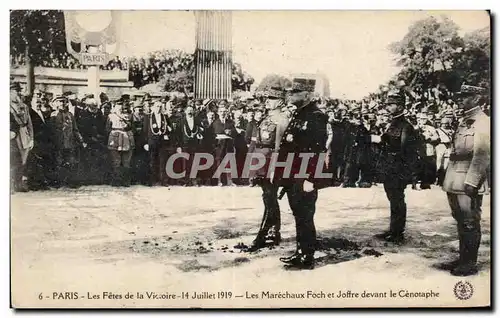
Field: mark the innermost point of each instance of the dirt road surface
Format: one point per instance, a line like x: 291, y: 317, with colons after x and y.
x: 103, y: 247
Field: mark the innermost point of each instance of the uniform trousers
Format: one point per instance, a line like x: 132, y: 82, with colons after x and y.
x: 395, y: 190
x: 303, y: 205
x: 120, y: 162
x: 66, y: 160
x: 120, y: 158
x: 18, y: 159
x: 467, y: 212
x: 272, y: 215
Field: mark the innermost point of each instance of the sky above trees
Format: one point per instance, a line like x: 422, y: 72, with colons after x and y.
x: 350, y: 47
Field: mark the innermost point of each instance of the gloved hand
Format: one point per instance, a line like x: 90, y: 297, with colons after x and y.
x: 471, y: 191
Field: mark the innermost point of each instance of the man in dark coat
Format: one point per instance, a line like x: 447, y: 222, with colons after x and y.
x: 398, y: 161
x: 240, y: 143
x: 336, y: 145
x: 190, y: 141
x: 225, y: 132
x: 428, y: 140
x: 140, y: 166
x: 208, y: 145
x: 67, y: 142
x: 305, y: 133
x: 251, y: 127
x: 344, y: 143
x: 157, y: 137
x: 77, y: 108
x: 39, y: 162
x: 93, y: 130
x: 356, y: 154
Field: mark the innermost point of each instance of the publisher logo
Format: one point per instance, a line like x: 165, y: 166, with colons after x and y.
x: 463, y: 290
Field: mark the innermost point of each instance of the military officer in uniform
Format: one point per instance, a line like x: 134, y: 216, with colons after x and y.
x: 398, y: 163
x: 305, y: 133
x: 466, y: 179
x: 21, y: 138
x: 67, y: 139
x: 266, y: 137
x: 121, y: 143
x: 139, y: 162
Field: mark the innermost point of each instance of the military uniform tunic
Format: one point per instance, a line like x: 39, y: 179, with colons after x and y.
x: 267, y: 137
x: 469, y: 165
x: 306, y: 133
x: 398, y: 164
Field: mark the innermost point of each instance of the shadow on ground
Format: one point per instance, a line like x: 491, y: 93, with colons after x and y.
x: 221, y: 246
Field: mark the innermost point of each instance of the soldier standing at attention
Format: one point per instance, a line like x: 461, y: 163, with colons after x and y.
x: 21, y: 138
x: 121, y: 143
x: 398, y: 162
x: 306, y: 133
x: 67, y: 142
x: 140, y: 166
x: 466, y: 179
x: 266, y: 136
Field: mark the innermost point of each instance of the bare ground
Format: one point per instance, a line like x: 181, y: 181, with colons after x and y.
x: 183, y: 239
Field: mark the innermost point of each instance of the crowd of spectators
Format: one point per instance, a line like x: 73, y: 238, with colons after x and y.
x: 142, y: 70
x: 350, y: 124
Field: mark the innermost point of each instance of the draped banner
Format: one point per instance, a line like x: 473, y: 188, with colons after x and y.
x: 213, y: 55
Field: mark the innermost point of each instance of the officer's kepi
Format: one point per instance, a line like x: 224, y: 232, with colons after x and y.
x: 274, y: 92
x: 395, y: 98
x: 470, y: 90
x: 299, y: 95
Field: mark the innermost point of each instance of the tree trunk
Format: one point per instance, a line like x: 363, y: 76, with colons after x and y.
x: 30, y: 72
x: 30, y: 67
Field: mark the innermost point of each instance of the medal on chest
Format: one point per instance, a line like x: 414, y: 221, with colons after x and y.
x: 304, y: 126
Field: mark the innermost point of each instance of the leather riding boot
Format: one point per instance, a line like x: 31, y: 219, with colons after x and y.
x: 448, y: 266
x: 289, y: 259
x: 301, y: 261
x: 468, y: 256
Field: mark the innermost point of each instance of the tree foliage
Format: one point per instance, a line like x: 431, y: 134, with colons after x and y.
x: 41, y: 31
x: 428, y: 52
x: 435, y: 60
x: 473, y: 65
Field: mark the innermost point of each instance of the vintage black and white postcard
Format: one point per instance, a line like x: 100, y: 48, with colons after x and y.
x: 250, y: 159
